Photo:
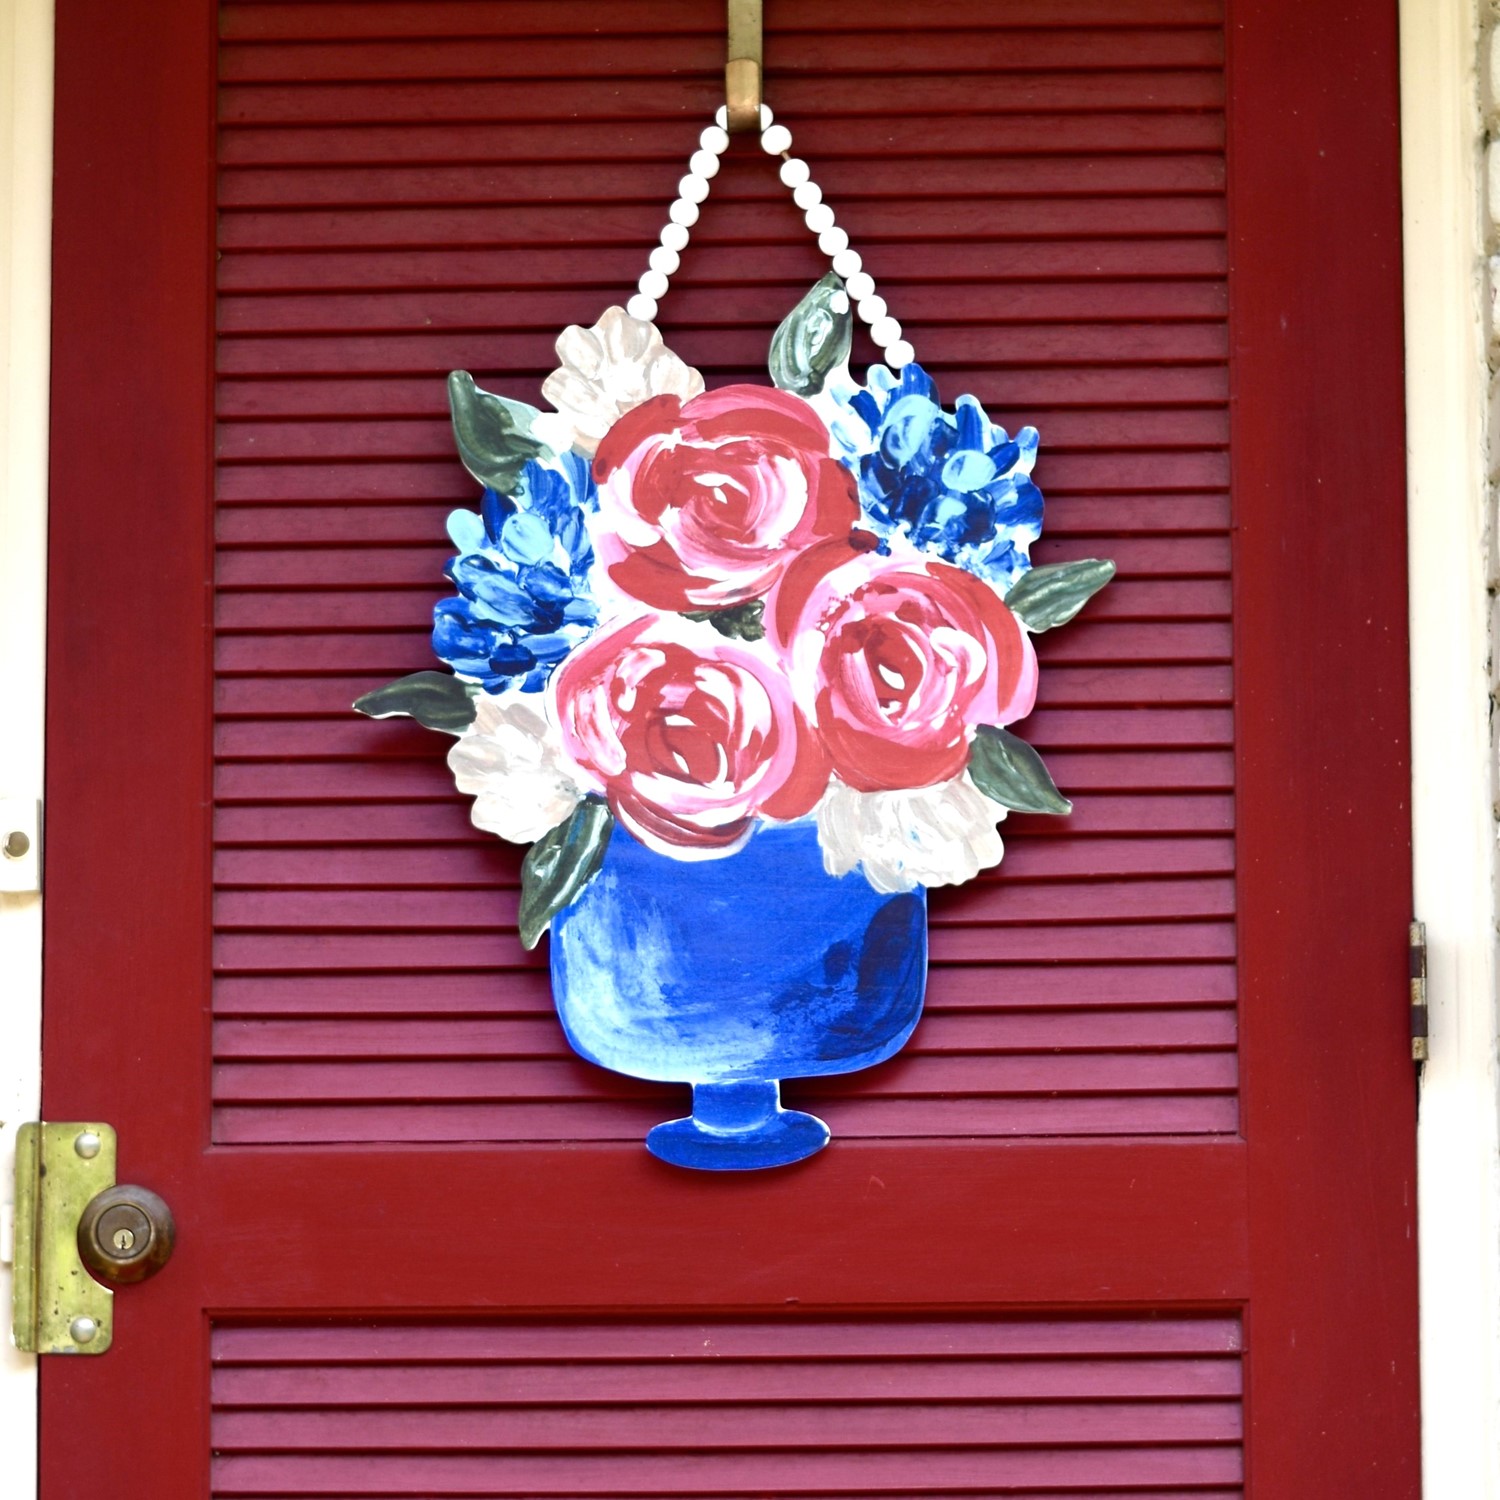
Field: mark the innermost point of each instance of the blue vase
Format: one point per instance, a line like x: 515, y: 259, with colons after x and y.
x: 732, y: 974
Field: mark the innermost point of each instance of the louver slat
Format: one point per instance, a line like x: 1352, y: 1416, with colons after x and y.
x: 798, y: 1410
x: 408, y: 189
x: 274, y: 22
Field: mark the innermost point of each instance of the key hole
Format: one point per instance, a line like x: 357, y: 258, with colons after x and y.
x: 124, y: 1239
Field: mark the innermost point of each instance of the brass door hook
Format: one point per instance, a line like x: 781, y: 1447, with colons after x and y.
x: 742, y: 71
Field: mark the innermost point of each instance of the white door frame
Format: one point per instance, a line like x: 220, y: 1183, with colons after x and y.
x: 25, y: 283
x: 1453, y: 767
x: 1450, y: 511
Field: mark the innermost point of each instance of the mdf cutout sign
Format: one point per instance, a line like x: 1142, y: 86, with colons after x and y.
x: 738, y: 664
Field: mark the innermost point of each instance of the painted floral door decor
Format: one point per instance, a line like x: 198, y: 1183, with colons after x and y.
x: 740, y: 665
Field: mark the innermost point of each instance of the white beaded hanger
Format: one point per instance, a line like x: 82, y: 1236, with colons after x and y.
x: 693, y: 189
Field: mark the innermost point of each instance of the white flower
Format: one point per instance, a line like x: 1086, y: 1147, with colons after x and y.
x: 511, y: 760
x: 610, y: 369
x: 931, y: 835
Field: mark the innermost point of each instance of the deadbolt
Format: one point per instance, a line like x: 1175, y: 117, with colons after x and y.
x: 125, y: 1234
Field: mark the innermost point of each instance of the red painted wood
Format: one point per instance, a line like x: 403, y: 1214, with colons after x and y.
x: 484, y: 183
x: 509, y: 1038
x: 437, y: 18
x: 1321, y: 581
x: 737, y: 1400
x: 598, y: 1118
x: 1048, y: 986
x: 472, y: 1232
x: 1099, y: 299
x: 288, y: 1366
x: 696, y: 96
x: 793, y: 1344
x: 126, y: 944
x: 994, y: 49
x: 1016, y: 259
x: 349, y: 1244
x: 717, y: 350
x: 823, y: 1426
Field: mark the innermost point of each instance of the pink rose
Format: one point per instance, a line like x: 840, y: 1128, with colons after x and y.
x: 689, y: 735
x: 705, y: 503
x: 899, y: 658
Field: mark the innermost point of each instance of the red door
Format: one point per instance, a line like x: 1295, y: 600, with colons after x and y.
x: 1133, y: 1215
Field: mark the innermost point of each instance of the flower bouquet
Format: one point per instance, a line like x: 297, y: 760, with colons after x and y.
x: 739, y: 665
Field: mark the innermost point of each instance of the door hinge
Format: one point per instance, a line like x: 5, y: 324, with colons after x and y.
x: 1416, y: 949
x: 58, y: 1307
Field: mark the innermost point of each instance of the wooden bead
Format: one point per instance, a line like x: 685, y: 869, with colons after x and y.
x: 775, y: 140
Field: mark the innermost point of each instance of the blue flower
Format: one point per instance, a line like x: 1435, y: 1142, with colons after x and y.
x: 522, y: 574
x: 954, y: 483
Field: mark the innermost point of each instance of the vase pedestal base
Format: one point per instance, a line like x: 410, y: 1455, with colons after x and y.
x: 738, y: 1127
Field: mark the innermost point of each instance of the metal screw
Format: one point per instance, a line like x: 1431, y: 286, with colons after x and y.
x: 124, y: 1239
x: 17, y: 845
x: 87, y: 1145
x: 83, y: 1330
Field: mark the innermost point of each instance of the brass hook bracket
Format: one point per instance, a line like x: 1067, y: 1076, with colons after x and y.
x: 742, y: 72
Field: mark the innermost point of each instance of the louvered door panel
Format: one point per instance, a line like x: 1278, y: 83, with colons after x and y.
x: 797, y: 1409
x: 1140, y: 1196
x: 404, y: 190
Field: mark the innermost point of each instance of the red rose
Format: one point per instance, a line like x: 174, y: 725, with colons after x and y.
x: 689, y: 735
x: 704, y: 504
x: 899, y: 658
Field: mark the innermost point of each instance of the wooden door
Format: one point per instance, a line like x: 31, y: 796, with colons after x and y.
x: 1134, y: 1213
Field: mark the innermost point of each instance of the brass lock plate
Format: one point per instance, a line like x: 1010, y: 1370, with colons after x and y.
x: 59, y: 1308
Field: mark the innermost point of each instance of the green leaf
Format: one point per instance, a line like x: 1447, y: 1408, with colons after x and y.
x: 813, y: 339
x: 493, y: 434
x: 1044, y: 597
x: 560, y: 864
x: 435, y: 700
x: 1006, y: 769
x: 741, y: 622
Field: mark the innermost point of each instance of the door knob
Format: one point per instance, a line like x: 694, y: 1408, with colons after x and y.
x: 125, y: 1234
